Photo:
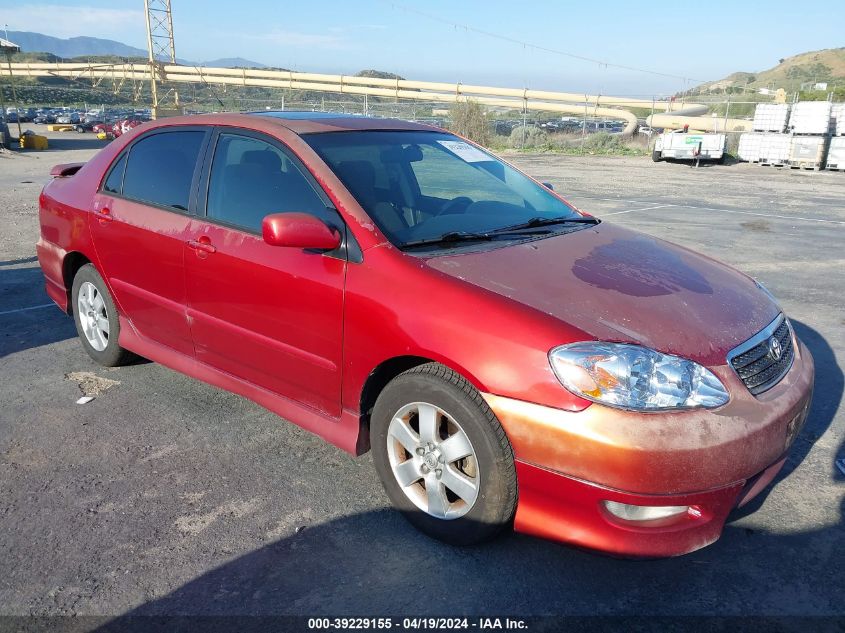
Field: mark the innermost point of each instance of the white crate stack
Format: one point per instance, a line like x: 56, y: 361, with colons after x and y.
x: 810, y: 117
x: 771, y: 117
x: 836, y: 154
x: 775, y: 149
x: 804, y: 135
x: 749, y: 147
x: 837, y: 119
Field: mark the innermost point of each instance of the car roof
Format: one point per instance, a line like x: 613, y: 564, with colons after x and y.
x: 300, y: 122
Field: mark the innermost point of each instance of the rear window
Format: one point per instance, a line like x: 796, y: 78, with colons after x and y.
x: 160, y: 168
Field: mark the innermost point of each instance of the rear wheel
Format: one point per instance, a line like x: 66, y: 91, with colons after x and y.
x: 96, y: 318
x: 443, y: 458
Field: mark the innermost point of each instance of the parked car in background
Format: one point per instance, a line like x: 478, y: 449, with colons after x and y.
x: 509, y: 360
x: 86, y: 126
x: 44, y: 117
x: 68, y: 117
x: 124, y: 125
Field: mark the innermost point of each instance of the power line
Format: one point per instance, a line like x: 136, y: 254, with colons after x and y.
x: 538, y: 47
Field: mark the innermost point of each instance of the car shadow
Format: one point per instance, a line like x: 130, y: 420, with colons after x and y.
x: 28, y: 317
x: 373, y: 563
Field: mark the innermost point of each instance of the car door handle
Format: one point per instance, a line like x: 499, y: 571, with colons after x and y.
x: 103, y: 215
x: 203, y: 244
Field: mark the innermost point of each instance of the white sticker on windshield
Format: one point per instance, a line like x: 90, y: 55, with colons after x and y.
x: 465, y: 151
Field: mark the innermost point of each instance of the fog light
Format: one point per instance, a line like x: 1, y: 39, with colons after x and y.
x: 630, y: 512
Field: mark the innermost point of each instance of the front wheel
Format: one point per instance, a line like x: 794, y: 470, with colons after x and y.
x: 656, y: 156
x: 443, y: 458
x: 96, y: 318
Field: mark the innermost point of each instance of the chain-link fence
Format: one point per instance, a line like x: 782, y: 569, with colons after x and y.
x: 506, y: 129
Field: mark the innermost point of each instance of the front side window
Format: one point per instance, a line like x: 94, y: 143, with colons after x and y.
x: 251, y: 179
x: 421, y: 186
x: 160, y: 168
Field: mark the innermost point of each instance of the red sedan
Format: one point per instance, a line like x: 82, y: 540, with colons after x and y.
x: 389, y: 286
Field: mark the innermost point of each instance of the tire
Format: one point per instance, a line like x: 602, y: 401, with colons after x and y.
x: 427, y: 500
x: 96, y: 314
x: 655, y: 156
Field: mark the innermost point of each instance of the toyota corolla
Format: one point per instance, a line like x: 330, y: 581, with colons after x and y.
x: 509, y: 359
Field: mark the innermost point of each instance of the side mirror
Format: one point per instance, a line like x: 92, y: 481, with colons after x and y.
x: 549, y: 186
x: 299, y: 230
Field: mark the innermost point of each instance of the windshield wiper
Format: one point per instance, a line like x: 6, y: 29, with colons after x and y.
x: 450, y: 237
x: 540, y: 221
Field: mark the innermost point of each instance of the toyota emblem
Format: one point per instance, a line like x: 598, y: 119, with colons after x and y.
x: 775, y: 349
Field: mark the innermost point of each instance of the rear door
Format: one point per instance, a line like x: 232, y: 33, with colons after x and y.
x: 139, y: 224
x: 270, y: 315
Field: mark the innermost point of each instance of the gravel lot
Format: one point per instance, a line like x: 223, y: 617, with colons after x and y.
x: 166, y: 496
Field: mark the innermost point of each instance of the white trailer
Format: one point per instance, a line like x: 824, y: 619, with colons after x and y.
x: 689, y: 146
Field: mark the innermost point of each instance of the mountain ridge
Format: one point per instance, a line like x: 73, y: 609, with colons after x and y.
x: 81, y: 46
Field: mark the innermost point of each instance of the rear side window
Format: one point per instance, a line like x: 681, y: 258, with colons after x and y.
x: 160, y: 168
x: 114, y: 182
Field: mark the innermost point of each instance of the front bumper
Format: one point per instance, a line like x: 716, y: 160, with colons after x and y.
x: 569, y: 462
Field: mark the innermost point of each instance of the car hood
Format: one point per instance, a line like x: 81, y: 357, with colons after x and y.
x: 619, y: 285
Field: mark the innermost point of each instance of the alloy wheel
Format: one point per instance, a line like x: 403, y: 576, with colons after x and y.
x: 91, y: 309
x: 433, y: 460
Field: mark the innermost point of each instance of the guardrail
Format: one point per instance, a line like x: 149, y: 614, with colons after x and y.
x: 522, y: 99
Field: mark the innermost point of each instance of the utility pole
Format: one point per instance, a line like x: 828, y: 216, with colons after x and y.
x: 9, y: 48
x: 161, y: 49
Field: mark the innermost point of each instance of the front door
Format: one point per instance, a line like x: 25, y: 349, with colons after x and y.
x: 270, y: 315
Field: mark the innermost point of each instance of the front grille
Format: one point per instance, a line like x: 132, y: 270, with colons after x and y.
x: 754, y: 361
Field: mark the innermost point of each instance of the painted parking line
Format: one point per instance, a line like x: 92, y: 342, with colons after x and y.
x: 615, y: 199
x: 657, y: 206
x: 45, y: 305
x: 798, y: 218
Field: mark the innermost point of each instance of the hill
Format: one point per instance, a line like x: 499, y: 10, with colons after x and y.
x: 233, y: 62
x: 73, y: 47
x: 793, y: 74
x: 90, y: 47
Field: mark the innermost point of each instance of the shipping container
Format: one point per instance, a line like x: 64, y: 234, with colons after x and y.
x: 837, y: 116
x: 836, y: 153
x: 810, y: 117
x: 775, y: 148
x: 749, y: 146
x: 808, y: 152
x: 770, y: 117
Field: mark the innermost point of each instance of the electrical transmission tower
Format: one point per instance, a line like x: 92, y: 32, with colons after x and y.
x: 161, y: 48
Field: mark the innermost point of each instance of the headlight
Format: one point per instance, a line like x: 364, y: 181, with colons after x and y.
x: 634, y: 377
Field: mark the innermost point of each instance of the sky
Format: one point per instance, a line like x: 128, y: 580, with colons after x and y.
x: 531, y: 44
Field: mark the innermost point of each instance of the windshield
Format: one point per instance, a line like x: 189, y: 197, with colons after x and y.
x: 420, y: 186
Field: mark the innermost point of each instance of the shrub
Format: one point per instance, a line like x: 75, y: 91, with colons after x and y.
x: 603, y: 143
x: 528, y: 137
x: 470, y: 120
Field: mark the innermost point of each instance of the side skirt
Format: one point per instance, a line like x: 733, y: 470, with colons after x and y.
x: 343, y: 432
